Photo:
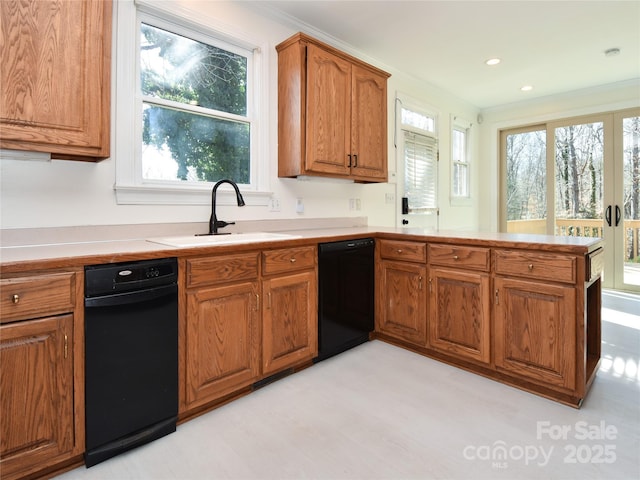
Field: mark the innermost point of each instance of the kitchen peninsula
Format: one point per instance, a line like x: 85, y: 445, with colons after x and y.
x: 520, y: 309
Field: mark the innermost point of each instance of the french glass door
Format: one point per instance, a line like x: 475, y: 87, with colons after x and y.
x: 579, y: 177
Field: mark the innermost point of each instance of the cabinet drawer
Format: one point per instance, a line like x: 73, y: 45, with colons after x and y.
x: 542, y: 266
x: 222, y: 269
x: 402, y: 250
x: 473, y: 258
x: 288, y: 259
x: 31, y: 297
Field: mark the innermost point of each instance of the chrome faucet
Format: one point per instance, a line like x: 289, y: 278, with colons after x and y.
x: 214, y: 223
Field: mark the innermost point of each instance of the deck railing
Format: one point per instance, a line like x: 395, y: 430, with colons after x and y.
x: 582, y: 228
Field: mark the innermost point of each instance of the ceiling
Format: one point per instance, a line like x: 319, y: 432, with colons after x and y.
x: 554, y: 46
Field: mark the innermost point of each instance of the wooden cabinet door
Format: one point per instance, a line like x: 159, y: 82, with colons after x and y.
x: 290, y: 320
x: 55, y: 77
x: 459, y: 311
x: 403, y: 310
x: 36, y: 405
x: 328, y: 136
x: 368, y: 125
x: 535, y: 331
x: 222, y: 341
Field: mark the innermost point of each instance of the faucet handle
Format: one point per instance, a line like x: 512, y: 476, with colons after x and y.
x: 222, y: 223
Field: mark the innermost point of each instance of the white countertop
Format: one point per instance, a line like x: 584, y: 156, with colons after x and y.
x: 113, y: 243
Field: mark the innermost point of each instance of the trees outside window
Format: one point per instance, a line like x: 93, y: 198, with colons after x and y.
x: 194, y: 109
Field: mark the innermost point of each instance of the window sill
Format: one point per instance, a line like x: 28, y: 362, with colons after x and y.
x: 171, y: 195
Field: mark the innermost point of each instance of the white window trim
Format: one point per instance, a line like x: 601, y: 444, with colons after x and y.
x: 418, y: 106
x: 457, y: 200
x: 128, y: 187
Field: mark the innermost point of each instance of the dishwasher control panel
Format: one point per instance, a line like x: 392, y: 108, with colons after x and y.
x: 123, y: 277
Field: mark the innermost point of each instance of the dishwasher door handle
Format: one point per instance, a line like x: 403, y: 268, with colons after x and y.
x: 127, y: 298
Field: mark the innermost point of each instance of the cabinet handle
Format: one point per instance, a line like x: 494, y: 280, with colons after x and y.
x: 349, y: 157
x: 66, y: 346
x: 430, y: 285
x: 497, y: 299
x: 355, y: 160
x: 15, y: 298
x: 420, y: 282
x: 269, y: 300
x: 257, y: 302
x: 530, y: 266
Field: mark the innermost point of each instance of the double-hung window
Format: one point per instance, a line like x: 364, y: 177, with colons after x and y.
x: 460, y: 166
x: 192, y: 117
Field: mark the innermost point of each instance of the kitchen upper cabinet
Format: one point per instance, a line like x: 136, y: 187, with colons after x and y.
x: 42, y: 401
x: 290, y: 308
x: 332, y: 113
x: 55, y: 76
x: 402, y: 291
x: 460, y: 301
x: 222, y: 329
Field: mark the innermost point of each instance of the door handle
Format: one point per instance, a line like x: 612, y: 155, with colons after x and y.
x: 607, y: 215
x: 618, y: 215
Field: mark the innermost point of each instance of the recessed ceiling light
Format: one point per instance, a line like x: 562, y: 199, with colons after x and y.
x: 493, y: 61
x: 526, y: 88
x: 611, y: 52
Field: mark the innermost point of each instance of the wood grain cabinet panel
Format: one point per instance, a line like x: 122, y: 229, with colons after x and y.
x: 536, y: 265
x: 403, y: 250
x: 55, y: 75
x: 332, y: 113
x: 468, y: 258
x: 535, y: 331
x: 290, y: 320
x: 31, y: 297
x: 221, y: 269
x: 288, y: 260
x: 37, y: 426
x: 459, y: 314
x: 402, y: 307
x: 222, y: 341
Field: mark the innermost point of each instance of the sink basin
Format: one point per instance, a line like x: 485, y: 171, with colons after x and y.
x: 230, y: 239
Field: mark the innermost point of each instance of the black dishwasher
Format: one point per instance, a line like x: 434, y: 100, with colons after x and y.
x: 345, y: 295
x: 131, y: 355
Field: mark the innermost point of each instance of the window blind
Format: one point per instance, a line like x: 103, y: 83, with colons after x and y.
x: 421, y: 172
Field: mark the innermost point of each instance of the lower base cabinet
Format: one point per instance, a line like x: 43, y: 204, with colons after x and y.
x: 402, y: 313
x: 222, y: 341
x: 459, y: 314
x: 535, y: 331
x: 36, y: 380
x: 290, y: 307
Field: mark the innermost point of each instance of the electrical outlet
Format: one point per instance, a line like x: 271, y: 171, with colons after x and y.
x: 274, y: 204
x: 389, y: 198
x: 299, y: 206
x: 352, y: 204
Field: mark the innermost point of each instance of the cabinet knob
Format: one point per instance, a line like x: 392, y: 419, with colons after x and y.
x: 292, y: 260
x: 399, y: 250
x: 455, y: 257
x: 15, y: 298
x: 530, y: 266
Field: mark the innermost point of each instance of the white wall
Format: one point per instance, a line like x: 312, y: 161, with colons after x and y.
x: 67, y: 193
x: 584, y: 102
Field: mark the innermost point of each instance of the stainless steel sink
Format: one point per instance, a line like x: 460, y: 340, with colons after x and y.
x: 230, y: 239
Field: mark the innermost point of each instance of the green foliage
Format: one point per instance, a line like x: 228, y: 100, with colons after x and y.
x: 192, y: 73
